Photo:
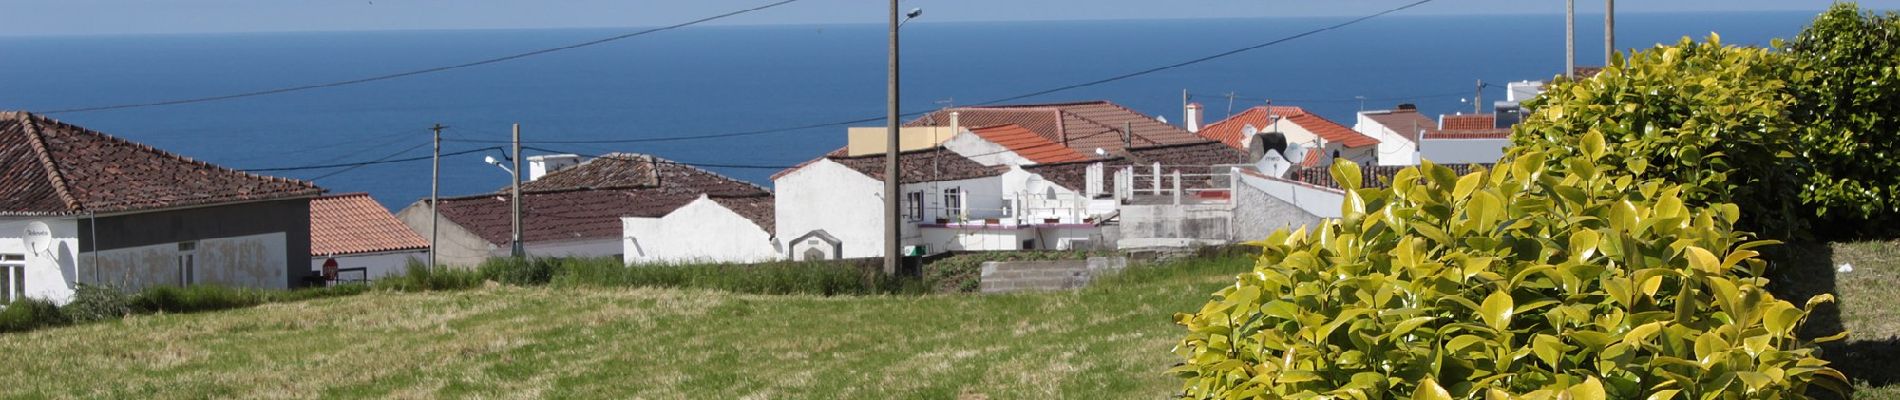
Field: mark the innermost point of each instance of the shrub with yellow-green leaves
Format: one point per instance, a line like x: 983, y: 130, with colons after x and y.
x: 1525, y: 281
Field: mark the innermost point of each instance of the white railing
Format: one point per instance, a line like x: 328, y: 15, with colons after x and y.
x: 1170, y: 180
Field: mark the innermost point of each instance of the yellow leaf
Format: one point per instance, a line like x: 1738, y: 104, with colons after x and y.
x: 1590, y: 389
x: 1429, y: 390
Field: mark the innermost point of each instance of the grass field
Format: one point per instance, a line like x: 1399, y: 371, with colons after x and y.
x: 1108, y: 341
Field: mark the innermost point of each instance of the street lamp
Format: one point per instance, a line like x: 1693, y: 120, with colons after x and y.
x: 515, y: 246
x: 892, y: 233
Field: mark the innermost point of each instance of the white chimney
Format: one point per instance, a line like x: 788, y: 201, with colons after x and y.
x: 956, y: 121
x: 539, y: 166
x: 1193, y: 121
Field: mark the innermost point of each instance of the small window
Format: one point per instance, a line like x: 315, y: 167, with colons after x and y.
x: 914, y: 206
x: 187, y: 263
x: 12, y: 277
x: 953, y: 203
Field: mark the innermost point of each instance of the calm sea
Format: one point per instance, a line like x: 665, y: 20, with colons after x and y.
x: 727, y: 79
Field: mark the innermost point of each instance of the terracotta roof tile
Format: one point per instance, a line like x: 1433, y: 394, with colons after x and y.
x: 1027, y: 143
x: 1231, y: 130
x: 56, y: 168
x: 1082, y: 126
x: 761, y: 210
x: 1467, y: 122
x: 355, y: 223
x: 936, y: 164
x: 586, y: 201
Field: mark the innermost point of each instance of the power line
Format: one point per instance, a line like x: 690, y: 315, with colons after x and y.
x: 664, y: 161
x: 420, y: 71
x: 363, y: 163
x: 991, y: 102
x: 1346, y: 100
x: 383, y: 158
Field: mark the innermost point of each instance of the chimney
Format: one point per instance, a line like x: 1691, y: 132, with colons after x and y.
x: 1193, y: 118
x: 539, y: 166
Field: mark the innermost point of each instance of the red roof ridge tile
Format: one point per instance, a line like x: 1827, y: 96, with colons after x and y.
x: 38, y: 143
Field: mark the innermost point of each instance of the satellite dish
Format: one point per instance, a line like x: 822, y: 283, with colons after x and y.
x: 38, y: 238
x: 1249, y: 131
x: 1297, y: 153
x: 1161, y: 119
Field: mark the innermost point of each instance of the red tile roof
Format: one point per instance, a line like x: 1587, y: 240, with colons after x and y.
x: 1467, y: 122
x: 55, y: 168
x: 761, y: 210
x: 354, y: 224
x: 1082, y: 126
x: 586, y: 201
x: 1469, y: 126
x: 935, y: 164
x: 1027, y: 143
x: 1230, y: 130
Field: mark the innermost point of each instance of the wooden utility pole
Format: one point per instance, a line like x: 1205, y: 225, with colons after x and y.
x: 516, y: 251
x: 435, y: 192
x: 1570, y: 39
x: 893, y: 235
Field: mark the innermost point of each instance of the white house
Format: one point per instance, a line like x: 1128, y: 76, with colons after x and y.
x: 83, y: 207
x: 724, y: 229
x: 832, y: 207
x: 1466, y: 139
x: 354, y: 239
x: 1329, y: 140
x: 1398, y: 131
x: 572, y: 212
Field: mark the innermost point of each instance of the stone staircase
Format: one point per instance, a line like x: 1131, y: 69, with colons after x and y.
x: 1016, y: 276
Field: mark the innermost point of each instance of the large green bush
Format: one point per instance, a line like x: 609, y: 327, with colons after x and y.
x: 1713, y: 118
x: 1528, y: 281
x: 1845, y: 80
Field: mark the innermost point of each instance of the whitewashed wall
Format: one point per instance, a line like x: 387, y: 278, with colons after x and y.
x: 582, y: 248
x: 971, y: 238
x: 1032, y: 193
x: 1314, y: 200
x: 375, y: 265
x: 254, y: 261
x: 1464, y: 151
x: 50, y: 275
x: 830, y: 196
x: 975, y: 148
x: 1394, y: 148
x: 700, y: 231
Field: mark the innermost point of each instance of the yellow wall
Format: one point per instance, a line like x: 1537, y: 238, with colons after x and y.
x: 872, y: 140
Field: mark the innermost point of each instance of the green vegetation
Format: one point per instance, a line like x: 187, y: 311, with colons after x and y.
x: 1582, y: 284
x: 1107, y: 341
x: 1844, y: 75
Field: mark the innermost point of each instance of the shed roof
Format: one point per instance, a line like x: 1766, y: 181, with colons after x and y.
x: 1028, y: 144
x: 354, y: 224
x: 1232, y: 130
x: 586, y: 201
x: 1082, y: 126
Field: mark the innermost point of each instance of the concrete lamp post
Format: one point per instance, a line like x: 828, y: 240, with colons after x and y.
x: 893, y: 200
x: 515, y: 246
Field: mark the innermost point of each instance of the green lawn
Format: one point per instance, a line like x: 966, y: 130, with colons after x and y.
x: 1110, y: 341
x: 1869, y: 308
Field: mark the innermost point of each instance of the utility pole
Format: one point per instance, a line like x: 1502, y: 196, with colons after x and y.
x: 516, y: 202
x: 1230, y: 105
x: 435, y: 192
x: 1609, y: 31
x: 1477, y: 101
x: 892, y: 235
x: 1570, y: 39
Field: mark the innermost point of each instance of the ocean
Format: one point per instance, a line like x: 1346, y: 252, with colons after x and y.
x: 711, y: 80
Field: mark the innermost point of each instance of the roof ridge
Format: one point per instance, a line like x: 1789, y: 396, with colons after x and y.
x: 176, y: 157
x: 656, y: 173
x: 1131, y: 132
x: 31, y: 128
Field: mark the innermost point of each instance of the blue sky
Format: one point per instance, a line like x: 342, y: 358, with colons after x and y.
x: 69, y: 17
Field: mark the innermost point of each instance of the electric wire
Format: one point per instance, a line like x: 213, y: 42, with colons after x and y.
x: 1063, y: 88
x: 419, y: 71
x: 363, y: 163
